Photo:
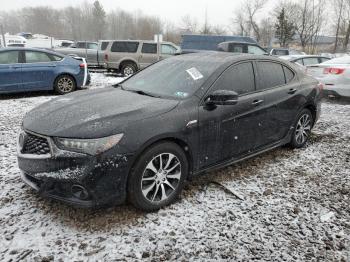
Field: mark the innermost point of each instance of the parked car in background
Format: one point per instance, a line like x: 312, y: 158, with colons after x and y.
x: 200, y: 43
x: 129, y: 56
x: 30, y: 69
x: 241, y: 47
x: 284, y: 52
x: 91, y: 51
x: 335, y: 75
x: 305, y: 60
x: 177, y: 118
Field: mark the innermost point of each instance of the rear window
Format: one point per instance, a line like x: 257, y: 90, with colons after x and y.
x: 125, y: 47
x: 149, y: 48
x: 270, y: 74
x: 234, y: 48
x: 310, y: 61
x: 280, y: 52
x: 10, y: 57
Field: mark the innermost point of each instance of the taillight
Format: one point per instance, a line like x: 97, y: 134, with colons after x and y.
x: 333, y: 71
x: 82, y: 65
x: 106, y: 57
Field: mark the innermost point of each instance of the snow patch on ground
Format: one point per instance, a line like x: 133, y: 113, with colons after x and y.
x: 296, y: 206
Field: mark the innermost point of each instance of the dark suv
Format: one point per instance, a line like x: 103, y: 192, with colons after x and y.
x: 173, y: 120
x: 241, y: 47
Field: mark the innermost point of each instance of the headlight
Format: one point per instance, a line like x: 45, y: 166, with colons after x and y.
x: 88, y: 146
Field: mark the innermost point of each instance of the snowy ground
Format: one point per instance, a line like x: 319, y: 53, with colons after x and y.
x: 290, y: 205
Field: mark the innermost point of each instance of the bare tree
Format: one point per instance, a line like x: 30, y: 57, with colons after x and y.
x: 252, y: 8
x: 189, y: 24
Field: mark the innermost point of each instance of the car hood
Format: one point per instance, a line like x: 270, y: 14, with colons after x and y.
x: 94, y: 114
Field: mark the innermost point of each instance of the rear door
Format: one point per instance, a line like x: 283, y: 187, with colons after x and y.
x: 282, y: 98
x: 38, y: 71
x: 149, y: 55
x: 10, y: 71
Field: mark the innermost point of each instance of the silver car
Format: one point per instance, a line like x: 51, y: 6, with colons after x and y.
x: 129, y: 56
x: 335, y: 75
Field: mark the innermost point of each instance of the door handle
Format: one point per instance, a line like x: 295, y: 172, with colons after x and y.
x: 15, y: 67
x: 257, y: 102
x: 292, y: 91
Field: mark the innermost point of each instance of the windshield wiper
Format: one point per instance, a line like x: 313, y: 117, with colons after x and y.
x: 141, y: 92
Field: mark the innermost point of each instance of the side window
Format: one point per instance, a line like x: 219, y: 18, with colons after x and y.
x: 299, y: 61
x: 288, y: 74
x: 270, y: 75
x: 255, y: 50
x: 234, y: 48
x: 239, y: 78
x: 81, y: 45
x: 125, y: 47
x: 37, y: 57
x: 168, y: 50
x: 56, y: 58
x: 92, y: 46
x: 149, y: 48
x: 324, y: 59
x: 310, y: 61
x: 104, y: 45
x: 10, y: 57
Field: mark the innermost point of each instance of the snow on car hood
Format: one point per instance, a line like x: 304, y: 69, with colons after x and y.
x: 93, y: 114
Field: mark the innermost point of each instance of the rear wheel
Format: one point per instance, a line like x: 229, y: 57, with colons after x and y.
x: 64, y: 84
x: 128, y: 69
x: 158, y: 177
x: 302, y: 129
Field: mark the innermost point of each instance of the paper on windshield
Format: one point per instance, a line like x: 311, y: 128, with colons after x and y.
x: 194, y: 73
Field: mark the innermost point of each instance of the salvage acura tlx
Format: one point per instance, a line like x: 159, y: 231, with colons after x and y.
x: 178, y: 118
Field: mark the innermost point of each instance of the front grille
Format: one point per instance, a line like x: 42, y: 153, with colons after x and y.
x: 35, y: 145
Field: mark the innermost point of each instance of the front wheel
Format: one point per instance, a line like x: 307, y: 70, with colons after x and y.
x: 158, y: 177
x: 64, y: 84
x: 302, y: 129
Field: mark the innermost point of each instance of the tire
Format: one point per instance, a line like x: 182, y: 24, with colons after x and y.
x: 302, y: 129
x: 64, y: 84
x: 151, y: 187
x: 128, y: 69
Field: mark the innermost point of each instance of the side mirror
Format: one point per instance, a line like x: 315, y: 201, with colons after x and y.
x: 222, y: 97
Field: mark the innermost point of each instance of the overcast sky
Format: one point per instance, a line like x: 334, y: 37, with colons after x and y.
x: 219, y: 11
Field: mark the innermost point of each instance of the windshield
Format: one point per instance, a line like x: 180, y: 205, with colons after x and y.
x: 341, y: 60
x: 177, y: 78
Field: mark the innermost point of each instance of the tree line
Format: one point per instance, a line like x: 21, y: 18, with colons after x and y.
x: 289, y: 20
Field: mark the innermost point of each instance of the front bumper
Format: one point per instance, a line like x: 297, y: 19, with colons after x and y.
x: 101, y: 179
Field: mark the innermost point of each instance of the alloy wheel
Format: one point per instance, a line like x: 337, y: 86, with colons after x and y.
x: 65, y: 84
x: 303, y: 129
x: 161, y: 177
x: 128, y: 71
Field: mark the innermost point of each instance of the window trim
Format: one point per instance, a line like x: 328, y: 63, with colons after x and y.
x: 19, y: 57
x: 202, y: 100
x: 139, y: 44
x: 24, y: 58
x: 143, y: 44
x: 276, y: 62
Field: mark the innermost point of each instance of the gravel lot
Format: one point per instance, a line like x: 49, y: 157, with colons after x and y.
x: 288, y: 205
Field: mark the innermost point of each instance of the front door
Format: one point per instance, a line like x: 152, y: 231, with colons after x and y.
x: 10, y: 71
x: 230, y: 131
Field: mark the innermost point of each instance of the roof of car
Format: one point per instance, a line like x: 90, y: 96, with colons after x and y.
x: 223, y: 57
x: 29, y: 49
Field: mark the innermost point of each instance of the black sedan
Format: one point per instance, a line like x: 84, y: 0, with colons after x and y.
x: 178, y: 118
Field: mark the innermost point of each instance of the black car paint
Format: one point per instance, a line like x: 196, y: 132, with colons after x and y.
x: 221, y: 136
